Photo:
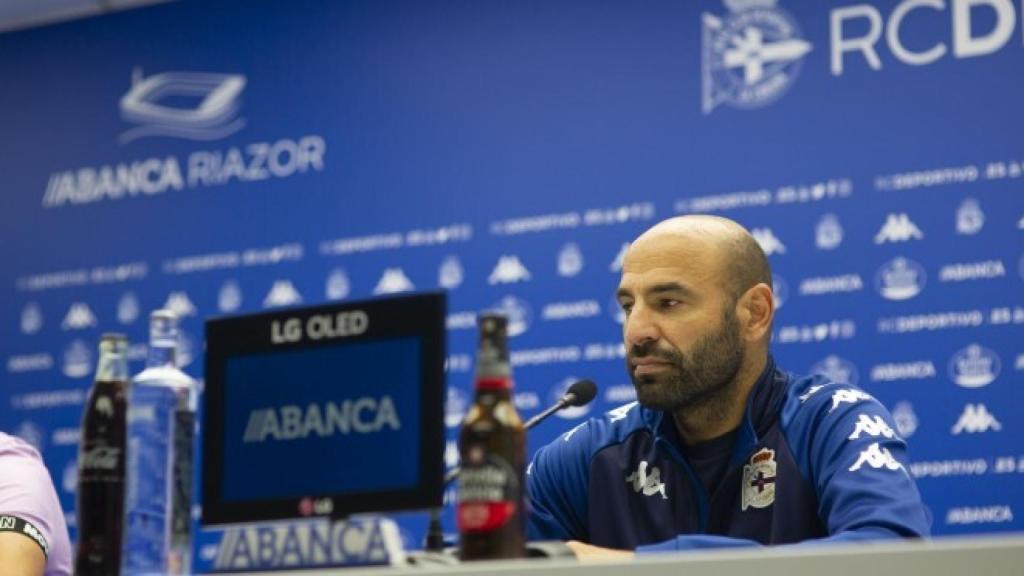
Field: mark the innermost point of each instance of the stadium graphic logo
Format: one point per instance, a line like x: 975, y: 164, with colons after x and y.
x: 519, y: 314
x: 837, y: 369
x: 900, y: 279
x: 616, y: 264
x: 750, y: 56
x: 150, y: 104
x: 974, y: 366
x: 291, y: 422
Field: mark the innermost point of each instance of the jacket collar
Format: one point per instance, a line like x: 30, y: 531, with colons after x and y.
x: 760, y: 414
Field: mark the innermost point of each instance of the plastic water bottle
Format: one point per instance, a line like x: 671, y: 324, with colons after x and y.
x: 161, y: 428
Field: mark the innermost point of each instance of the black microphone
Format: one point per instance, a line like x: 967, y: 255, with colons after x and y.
x: 580, y: 393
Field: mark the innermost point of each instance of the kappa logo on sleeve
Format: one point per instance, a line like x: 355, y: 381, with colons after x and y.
x: 647, y: 482
x: 876, y: 457
x: 848, y: 396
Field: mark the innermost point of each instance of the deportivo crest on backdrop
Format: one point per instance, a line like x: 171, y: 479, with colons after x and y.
x: 750, y: 56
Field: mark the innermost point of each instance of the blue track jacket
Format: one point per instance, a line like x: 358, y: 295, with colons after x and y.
x: 812, y: 459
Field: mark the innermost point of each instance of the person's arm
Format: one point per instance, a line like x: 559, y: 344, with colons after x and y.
x: 557, y: 481
x: 20, y: 556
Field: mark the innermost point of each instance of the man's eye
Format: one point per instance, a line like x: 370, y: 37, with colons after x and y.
x: 626, y: 306
x: 669, y: 303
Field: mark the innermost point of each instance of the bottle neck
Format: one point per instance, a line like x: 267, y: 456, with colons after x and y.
x: 112, y: 367
x: 162, y: 353
x: 499, y: 388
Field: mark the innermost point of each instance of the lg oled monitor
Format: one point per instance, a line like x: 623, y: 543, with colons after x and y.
x: 324, y: 411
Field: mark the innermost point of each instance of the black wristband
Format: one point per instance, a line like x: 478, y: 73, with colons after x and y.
x: 10, y: 523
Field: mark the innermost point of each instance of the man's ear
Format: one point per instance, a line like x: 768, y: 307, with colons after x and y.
x: 755, y: 311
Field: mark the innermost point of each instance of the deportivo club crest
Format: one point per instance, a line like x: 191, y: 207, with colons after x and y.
x: 750, y: 55
x: 759, y: 480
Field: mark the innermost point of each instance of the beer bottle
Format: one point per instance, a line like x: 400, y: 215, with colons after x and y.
x: 161, y: 428
x: 101, y: 463
x: 492, y: 446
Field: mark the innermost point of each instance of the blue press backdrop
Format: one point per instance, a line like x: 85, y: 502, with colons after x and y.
x: 506, y: 151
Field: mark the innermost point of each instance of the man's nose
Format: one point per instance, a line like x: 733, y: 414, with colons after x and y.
x: 640, y: 326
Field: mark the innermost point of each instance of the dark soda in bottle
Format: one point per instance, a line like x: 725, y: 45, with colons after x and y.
x: 101, y: 463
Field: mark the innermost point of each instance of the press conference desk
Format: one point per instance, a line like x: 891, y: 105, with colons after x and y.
x: 975, y: 556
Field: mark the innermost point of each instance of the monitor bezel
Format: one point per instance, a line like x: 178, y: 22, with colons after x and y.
x: 421, y: 316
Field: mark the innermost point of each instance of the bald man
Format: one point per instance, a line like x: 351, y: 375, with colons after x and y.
x: 722, y: 447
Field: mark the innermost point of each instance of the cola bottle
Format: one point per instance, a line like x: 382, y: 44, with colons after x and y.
x: 161, y: 428
x: 101, y: 463
x: 492, y: 447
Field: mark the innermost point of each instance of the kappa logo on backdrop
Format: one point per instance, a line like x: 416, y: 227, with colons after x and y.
x: 905, y: 418
x: 229, y: 298
x: 898, y: 228
x: 969, y: 217
x: 338, y: 285
x: 620, y: 256
x: 180, y: 304
x: 768, y: 241
x: 518, y: 312
x: 393, y: 281
x: 570, y: 260
x: 828, y: 234
x: 153, y: 104
x: 900, y: 279
x: 750, y: 56
x: 31, y: 318
x: 79, y: 317
x: 837, y: 369
x: 508, y: 270
x: 282, y: 293
x: 450, y: 275
x: 974, y: 366
x: 647, y: 483
x: 976, y: 419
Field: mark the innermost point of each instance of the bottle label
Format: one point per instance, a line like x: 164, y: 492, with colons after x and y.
x: 488, y: 494
x: 149, y: 479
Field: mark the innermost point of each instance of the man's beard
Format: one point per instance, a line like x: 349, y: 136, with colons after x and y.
x: 700, y: 381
